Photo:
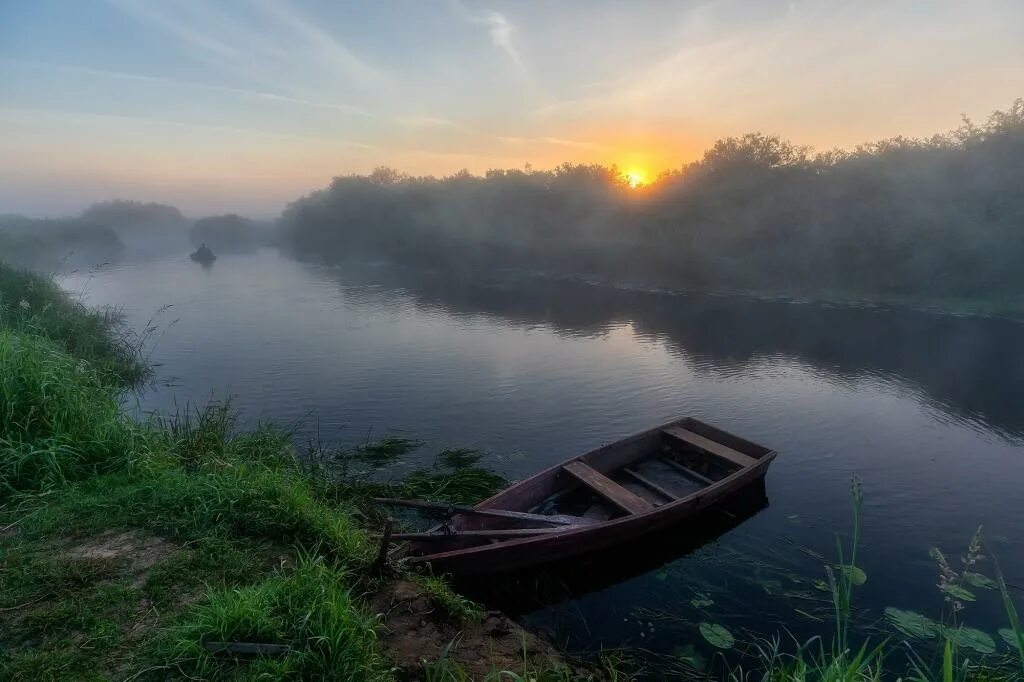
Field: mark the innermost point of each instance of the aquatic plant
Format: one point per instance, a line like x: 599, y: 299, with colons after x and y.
x: 717, y: 635
x: 961, y: 653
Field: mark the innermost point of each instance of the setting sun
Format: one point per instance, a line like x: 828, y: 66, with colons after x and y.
x: 635, y: 177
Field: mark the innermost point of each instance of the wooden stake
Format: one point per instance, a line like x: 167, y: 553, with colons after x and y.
x: 381, y: 562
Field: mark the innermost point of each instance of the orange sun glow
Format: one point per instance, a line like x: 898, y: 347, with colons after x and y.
x: 635, y: 177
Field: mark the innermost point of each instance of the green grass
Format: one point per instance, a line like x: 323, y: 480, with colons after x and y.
x: 454, y: 604
x: 59, y: 419
x: 309, y: 608
x: 35, y: 305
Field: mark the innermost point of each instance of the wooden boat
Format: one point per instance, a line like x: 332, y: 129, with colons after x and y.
x: 611, y: 495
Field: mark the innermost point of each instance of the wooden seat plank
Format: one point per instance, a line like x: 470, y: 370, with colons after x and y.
x: 625, y: 500
x: 713, y: 447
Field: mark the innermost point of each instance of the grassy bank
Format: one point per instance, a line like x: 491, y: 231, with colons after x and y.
x: 127, y: 548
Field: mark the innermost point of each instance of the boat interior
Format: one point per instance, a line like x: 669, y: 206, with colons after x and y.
x: 657, y: 468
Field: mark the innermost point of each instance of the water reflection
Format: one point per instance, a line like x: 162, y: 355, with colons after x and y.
x: 969, y: 367
x: 526, y: 591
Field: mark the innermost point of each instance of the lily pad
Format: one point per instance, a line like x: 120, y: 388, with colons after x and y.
x: 1009, y: 637
x: 958, y: 592
x: 979, y: 580
x: 855, y: 574
x: 972, y: 638
x: 717, y: 635
x: 912, y: 624
x: 702, y: 600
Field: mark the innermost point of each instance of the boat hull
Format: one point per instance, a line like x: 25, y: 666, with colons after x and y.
x: 524, y: 553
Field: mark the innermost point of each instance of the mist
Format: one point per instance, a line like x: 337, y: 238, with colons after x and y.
x: 122, y: 230
x: 936, y: 217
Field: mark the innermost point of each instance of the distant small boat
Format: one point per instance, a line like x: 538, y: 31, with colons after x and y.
x: 203, y: 255
x: 608, y: 496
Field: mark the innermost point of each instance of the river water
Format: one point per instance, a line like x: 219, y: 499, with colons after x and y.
x: 927, y: 409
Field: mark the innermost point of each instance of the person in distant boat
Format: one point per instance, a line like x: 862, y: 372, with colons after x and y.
x: 203, y: 254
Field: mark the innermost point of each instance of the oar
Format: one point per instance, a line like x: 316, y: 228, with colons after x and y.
x: 552, y: 519
x: 480, y: 534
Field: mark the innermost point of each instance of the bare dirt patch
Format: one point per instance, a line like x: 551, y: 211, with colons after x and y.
x: 414, y: 630
x: 134, y: 552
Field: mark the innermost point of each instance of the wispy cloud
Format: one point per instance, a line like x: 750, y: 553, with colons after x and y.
x: 562, y: 142
x: 429, y: 122
x: 501, y: 30
x: 555, y: 141
x: 34, y: 115
x: 186, y: 33
x: 325, y: 46
x: 173, y: 82
x: 290, y: 45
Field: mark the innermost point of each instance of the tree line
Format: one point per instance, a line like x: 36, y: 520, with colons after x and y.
x: 941, y: 216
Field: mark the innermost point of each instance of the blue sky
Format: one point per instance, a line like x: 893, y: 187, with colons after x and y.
x: 243, y: 105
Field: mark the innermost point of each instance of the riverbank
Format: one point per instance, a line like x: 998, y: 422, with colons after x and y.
x: 129, y: 550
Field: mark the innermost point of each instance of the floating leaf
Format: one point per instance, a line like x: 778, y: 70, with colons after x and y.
x: 717, y: 635
x: 702, y: 600
x: 912, y: 624
x: 979, y: 580
x: 972, y: 639
x: 822, y: 586
x: 958, y: 592
x: 855, y: 574
x: 691, y: 657
x: 1009, y: 637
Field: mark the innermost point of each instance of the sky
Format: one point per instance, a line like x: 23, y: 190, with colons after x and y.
x: 244, y: 105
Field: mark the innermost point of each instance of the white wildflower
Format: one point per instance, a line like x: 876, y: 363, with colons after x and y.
x: 25, y: 305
